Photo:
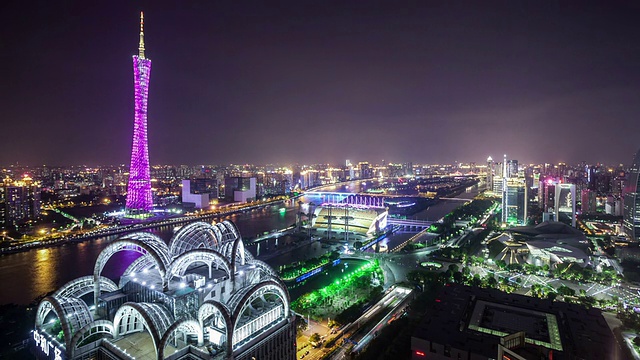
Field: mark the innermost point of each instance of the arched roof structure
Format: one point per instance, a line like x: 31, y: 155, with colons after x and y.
x: 155, y: 318
x: 190, y: 326
x: 244, y: 296
x: 104, y: 327
x: 144, y: 262
x: 194, y: 236
x: 212, y: 307
x: 139, y: 245
x: 83, y: 286
x: 218, y: 245
x: 208, y: 256
x: 73, y: 314
x: 154, y: 241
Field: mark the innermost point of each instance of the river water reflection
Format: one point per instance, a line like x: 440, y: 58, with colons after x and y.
x: 27, y: 275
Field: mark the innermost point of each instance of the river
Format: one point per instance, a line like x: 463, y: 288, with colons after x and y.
x: 27, y: 275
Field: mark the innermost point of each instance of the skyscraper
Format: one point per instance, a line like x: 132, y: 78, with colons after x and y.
x: 565, y: 202
x: 490, y: 173
x: 139, y: 190
x: 632, y: 200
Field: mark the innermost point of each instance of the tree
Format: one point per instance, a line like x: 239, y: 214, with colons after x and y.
x: 566, y: 291
x: 314, y: 338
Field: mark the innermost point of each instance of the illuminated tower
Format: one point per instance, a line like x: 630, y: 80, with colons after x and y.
x: 139, y: 191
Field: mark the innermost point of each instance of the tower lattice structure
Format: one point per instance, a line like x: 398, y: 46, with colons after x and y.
x: 139, y: 189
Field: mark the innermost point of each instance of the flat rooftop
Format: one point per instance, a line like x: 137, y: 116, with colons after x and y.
x: 475, y: 319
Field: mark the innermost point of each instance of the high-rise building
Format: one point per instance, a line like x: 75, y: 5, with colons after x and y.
x: 515, y: 201
x: 238, y: 188
x: 588, y: 201
x: 631, y: 215
x: 199, y: 191
x: 19, y: 201
x: 139, y: 198
x: 365, y: 170
x: 565, y: 202
x: 490, y: 173
x: 512, y: 168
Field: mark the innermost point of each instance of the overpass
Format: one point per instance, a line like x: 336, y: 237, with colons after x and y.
x: 456, y: 199
x: 408, y: 224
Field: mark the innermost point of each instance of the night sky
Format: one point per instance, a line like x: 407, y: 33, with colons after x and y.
x: 322, y: 81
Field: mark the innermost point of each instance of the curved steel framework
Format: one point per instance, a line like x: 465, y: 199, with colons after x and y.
x: 207, y: 256
x: 261, y: 302
x: 84, y: 285
x: 104, y: 327
x: 184, y: 326
x: 243, y: 299
x: 154, y: 241
x: 134, y: 317
x: 221, y: 320
x: 128, y: 244
x: 194, y: 236
x: 73, y: 314
x: 142, y: 264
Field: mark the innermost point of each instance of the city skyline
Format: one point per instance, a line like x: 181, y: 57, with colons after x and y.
x: 250, y: 83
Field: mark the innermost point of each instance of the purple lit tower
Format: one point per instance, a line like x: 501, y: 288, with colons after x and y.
x: 139, y: 192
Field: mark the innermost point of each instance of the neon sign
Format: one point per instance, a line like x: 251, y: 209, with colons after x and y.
x: 46, y: 345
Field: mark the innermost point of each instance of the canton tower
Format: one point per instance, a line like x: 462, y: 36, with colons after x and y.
x: 139, y: 190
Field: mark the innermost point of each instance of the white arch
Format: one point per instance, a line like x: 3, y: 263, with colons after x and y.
x: 212, y: 307
x: 84, y: 285
x: 242, y: 299
x: 188, y: 326
x: 134, y: 317
x: 265, y: 270
x: 127, y: 244
x: 97, y: 327
x: 194, y: 236
x: 144, y: 262
x: 73, y: 314
x: 208, y: 256
x: 154, y: 241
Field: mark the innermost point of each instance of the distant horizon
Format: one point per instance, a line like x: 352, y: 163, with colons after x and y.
x: 355, y: 163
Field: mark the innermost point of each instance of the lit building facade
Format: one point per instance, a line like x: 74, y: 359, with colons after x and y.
x: 631, y: 214
x: 139, y: 199
x: 202, y: 296
x: 565, y: 202
x: 490, y: 173
x: 241, y: 189
x: 19, y: 202
x: 515, y: 202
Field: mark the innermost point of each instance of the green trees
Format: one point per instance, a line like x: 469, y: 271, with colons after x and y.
x: 314, y: 338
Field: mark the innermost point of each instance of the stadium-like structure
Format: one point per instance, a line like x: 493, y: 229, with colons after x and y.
x: 344, y: 218
x: 203, y: 296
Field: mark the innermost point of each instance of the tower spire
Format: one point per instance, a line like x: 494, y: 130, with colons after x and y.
x: 141, y: 45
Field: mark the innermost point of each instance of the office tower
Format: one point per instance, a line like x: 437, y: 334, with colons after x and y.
x: 565, y: 202
x: 512, y: 168
x: 19, y: 201
x: 139, y: 189
x: 588, y: 201
x: 515, y: 205
x: 238, y: 188
x: 365, y: 170
x: 631, y: 215
x: 490, y: 173
x: 504, y: 190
